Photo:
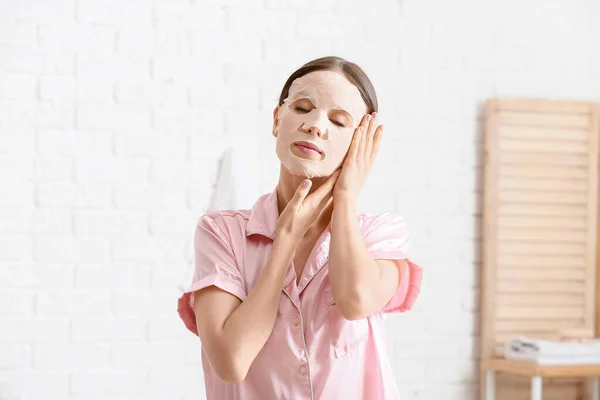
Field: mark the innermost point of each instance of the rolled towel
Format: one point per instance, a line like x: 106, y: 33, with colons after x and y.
x: 529, y: 347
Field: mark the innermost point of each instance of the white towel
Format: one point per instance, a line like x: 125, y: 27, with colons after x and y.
x: 552, y: 352
x: 236, y: 186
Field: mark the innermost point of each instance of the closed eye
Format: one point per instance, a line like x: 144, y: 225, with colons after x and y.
x: 304, y: 111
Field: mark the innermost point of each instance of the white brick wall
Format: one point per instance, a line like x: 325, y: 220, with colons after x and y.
x: 113, y: 116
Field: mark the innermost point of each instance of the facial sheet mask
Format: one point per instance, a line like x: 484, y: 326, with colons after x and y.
x: 327, y: 91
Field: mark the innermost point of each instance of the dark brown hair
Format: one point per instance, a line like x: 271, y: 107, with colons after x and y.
x: 351, y: 71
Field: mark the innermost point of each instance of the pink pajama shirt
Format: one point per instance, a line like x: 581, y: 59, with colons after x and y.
x: 313, y: 352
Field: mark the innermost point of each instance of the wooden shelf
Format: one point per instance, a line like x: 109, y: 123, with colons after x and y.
x: 546, y: 371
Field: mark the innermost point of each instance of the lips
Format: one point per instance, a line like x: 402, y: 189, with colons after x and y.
x: 310, y: 146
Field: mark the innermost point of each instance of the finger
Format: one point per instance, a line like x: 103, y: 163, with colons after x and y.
x: 361, y: 144
x: 376, y: 142
x: 327, y: 188
x: 364, y: 122
x: 372, y: 122
x: 301, y: 192
x: 326, y: 202
x: 321, y: 193
x: 330, y: 183
x: 353, y: 150
x: 323, y: 203
x: 369, y: 138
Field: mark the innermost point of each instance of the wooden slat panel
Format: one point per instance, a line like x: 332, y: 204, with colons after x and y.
x: 548, y: 274
x: 528, y: 235
x: 541, y: 312
x: 546, y: 211
x: 490, y: 221
x: 535, y: 171
x: 550, y: 120
x: 554, y: 160
x: 540, y: 287
x: 555, y: 185
x: 570, y: 223
x: 540, y: 221
x: 544, y: 197
x: 537, y: 248
x: 544, y: 260
x: 536, y: 146
x: 541, y: 106
x: 543, y: 134
x: 536, y: 326
x: 593, y: 251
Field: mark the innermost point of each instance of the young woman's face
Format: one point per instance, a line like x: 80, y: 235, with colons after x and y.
x: 321, y: 111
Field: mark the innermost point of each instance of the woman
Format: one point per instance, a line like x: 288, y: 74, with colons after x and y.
x: 289, y: 298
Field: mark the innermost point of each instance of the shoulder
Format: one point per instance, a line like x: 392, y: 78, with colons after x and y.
x: 228, y: 226
x: 225, y: 218
x: 222, y: 230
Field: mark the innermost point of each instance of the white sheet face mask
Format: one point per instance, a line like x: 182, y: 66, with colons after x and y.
x: 322, y: 109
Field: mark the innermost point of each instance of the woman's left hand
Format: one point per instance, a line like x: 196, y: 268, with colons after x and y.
x: 359, y: 160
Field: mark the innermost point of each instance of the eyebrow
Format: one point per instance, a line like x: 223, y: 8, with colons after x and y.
x: 312, y: 99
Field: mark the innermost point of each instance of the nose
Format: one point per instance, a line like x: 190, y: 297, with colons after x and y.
x: 315, y: 124
x: 315, y: 130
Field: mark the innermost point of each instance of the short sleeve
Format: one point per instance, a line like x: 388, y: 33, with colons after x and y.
x: 214, y: 265
x: 387, y: 237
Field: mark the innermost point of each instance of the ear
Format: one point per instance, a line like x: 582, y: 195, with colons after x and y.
x: 275, y: 121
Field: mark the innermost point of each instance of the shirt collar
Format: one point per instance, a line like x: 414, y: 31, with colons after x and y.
x: 264, y: 215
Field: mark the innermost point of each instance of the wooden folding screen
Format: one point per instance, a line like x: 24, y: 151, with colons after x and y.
x: 540, y: 220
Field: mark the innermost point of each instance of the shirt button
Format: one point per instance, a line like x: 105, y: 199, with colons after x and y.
x: 296, y: 320
x: 302, y: 370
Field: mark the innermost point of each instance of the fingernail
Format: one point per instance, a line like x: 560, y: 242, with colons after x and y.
x: 306, y: 183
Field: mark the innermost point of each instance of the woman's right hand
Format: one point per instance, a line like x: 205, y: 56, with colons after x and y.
x: 303, y: 209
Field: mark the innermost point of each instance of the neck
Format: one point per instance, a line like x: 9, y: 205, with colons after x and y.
x: 286, y: 187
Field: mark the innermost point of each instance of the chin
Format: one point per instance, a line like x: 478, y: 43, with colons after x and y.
x: 305, y: 173
x: 302, y: 171
x: 297, y: 168
x: 310, y: 174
